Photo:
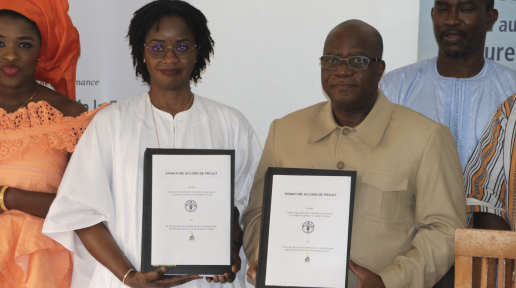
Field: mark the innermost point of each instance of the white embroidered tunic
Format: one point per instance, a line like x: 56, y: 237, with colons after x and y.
x: 104, y: 179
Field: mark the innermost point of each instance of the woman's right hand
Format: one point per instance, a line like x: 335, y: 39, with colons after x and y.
x: 156, y: 279
x: 102, y: 246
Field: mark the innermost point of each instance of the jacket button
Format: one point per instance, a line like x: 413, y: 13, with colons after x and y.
x: 340, y: 165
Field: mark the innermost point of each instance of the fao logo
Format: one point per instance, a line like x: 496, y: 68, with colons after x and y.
x: 190, y: 206
x: 308, y: 227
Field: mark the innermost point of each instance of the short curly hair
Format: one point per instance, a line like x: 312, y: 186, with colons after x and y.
x: 145, y: 17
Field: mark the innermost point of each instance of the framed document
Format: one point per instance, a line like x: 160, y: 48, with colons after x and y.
x: 306, y: 228
x: 188, y: 211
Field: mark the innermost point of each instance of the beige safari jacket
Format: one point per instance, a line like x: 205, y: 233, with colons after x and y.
x: 409, y: 192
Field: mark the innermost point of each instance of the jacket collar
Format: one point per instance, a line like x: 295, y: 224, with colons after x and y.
x: 370, y: 130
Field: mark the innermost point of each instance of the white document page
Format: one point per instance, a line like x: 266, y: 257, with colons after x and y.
x: 191, y: 210
x: 308, y: 233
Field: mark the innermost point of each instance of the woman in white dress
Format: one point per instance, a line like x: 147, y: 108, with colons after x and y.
x: 98, y: 208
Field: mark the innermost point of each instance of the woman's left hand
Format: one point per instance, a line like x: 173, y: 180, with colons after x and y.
x: 227, y: 277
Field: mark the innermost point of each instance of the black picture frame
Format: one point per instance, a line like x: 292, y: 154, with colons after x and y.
x: 146, y: 265
x: 266, y: 212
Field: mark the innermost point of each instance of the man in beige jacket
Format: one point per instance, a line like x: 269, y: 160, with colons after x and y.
x: 409, y: 192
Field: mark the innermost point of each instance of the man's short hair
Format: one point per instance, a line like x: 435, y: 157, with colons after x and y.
x: 489, y: 5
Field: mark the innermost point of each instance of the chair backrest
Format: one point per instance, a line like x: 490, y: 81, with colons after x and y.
x: 493, y: 250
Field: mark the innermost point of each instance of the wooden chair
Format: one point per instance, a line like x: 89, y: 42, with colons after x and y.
x: 494, y: 249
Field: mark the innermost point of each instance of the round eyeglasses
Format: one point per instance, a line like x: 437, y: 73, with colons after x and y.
x: 159, y: 50
x: 353, y: 62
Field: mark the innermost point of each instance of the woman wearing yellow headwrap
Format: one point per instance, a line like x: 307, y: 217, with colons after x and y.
x: 39, y: 127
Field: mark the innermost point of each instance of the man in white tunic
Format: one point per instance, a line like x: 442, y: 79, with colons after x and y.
x: 459, y: 88
x: 97, y: 213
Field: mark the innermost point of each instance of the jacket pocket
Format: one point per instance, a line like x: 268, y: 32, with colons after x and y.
x: 381, y: 196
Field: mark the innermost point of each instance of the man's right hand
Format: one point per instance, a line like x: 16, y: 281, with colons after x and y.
x: 252, y: 272
x: 366, y: 277
x: 156, y: 279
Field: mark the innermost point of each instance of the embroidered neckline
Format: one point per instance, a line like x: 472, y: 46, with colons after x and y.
x: 42, y: 125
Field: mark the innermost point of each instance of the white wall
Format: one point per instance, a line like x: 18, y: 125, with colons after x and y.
x: 266, y: 53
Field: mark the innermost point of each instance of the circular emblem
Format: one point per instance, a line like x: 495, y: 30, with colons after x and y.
x: 308, y: 227
x: 190, y: 206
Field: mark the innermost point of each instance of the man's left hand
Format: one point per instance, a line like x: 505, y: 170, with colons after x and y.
x: 228, y: 277
x: 366, y: 277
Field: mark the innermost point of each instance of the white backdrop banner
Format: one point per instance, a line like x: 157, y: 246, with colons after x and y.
x: 500, y: 42
x: 266, y: 53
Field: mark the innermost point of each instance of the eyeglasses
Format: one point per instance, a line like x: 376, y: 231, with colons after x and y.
x: 182, y: 51
x: 353, y: 62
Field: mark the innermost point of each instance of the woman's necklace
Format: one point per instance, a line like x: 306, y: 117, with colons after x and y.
x: 28, y: 100
x: 154, y: 120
